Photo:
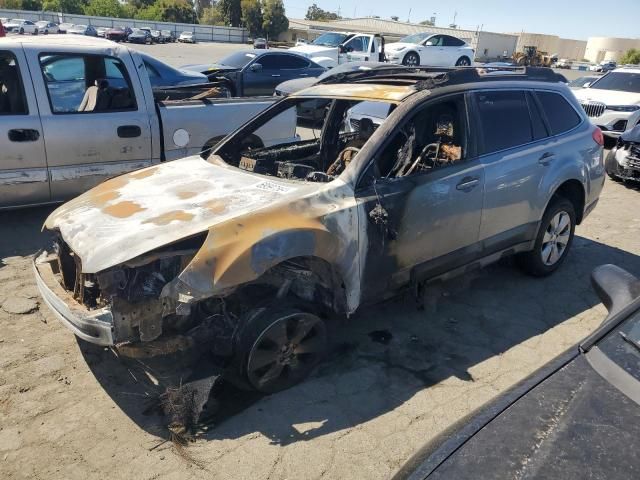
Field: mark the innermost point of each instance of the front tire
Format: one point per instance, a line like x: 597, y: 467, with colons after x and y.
x: 21, y: 31
x: 554, y: 239
x: 278, y: 347
x: 463, y: 62
x: 411, y: 59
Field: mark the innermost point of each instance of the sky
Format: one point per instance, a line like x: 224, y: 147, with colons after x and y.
x: 577, y: 19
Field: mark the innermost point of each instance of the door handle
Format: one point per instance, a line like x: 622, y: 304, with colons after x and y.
x: 467, y: 183
x: 546, y: 158
x: 23, y: 135
x: 275, y: 75
x: 304, y: 74
x: 129, y: 131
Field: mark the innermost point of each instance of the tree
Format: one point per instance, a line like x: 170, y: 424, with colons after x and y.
x: 201, y: 5
x: 428, y: 23
x: 631, y: 56
x: 395, y: 18
x: 104, y: 8
x: 11, y: 4
x: 212, y: 16
x: 231, y: 12
x: 33, y: 5
x: 64, y: 6
x: 180, y: 11
x: 314, y: 12
x: 275, y: 21
x: 252, y: 16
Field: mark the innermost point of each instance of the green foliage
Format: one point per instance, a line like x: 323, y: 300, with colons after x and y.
x: 231, y: 12
x: 64, y: 6
x: 631, y: 56
x: 180, y: 11
x: 428, y: 23
x: 33, y: 5
x: 212, y: 16
x: 314, y: 12
x: 275, y: 21
x: 11, y: 4
x: 104, y: 8
x: 252, y: 16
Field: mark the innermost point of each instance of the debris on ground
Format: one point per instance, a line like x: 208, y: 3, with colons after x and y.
x: 20, y: 305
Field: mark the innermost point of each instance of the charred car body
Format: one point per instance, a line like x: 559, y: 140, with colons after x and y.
x: 255, y: 246
x: 623, y: 161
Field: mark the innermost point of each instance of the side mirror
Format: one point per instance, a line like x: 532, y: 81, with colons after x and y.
x: 429, y: 44
x: 586, y: 85
x: 342, y: 49
x: 256, y: 67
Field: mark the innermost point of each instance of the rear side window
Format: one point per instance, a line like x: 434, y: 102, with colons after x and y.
x: 452, y: 41
x: 560, y: 114
x: 504, y: 120
x: 12, y: 98
x: 537, y: 124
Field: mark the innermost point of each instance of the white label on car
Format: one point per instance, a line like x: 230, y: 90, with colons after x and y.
x: 272, y: 187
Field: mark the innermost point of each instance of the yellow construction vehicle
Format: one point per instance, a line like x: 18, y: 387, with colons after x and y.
x: 530, y: 56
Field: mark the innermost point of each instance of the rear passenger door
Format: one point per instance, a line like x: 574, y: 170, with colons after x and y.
x: 516, y: 150
x: 23, y: 165
x: 94, y: 118
x: 276, y: 68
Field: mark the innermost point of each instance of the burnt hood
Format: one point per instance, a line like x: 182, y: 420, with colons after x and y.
x: 136, y: 213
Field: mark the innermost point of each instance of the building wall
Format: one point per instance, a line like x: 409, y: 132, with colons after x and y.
x: 609, y: 48
x: 203, y: 33
x: 544, y: 43
x: 491, y: 46
x: 571, y: 49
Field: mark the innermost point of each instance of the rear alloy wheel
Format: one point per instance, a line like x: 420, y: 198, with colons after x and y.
x: 553, y: 241
x: 463, y: 62
x: 284, y: 345
x: 411, y: 59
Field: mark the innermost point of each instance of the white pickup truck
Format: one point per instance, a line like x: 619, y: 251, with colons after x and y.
x: 75, y: 111
x: 334, y: 48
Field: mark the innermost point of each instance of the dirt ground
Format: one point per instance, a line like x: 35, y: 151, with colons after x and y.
x: 396, y: 376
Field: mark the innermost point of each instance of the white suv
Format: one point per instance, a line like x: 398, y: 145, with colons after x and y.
x: 613, y: 101
x: 430, y: 50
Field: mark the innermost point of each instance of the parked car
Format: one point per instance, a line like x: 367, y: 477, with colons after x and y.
x: 429, y: 49
x: 163, y: 75
x: 47, y: 27
x: 604, y: 66
x: 156, y: 36
x: 258, y: 72
x: 583, y: 82
x: 623, y: 161
x: 101, y: 32
x: 87, y: 30
x: 167, y: 36
x: 242, y: 251
x: 301, y: 41
x: 21, y: 26
x: 63, y: 27
x: 564, y: 63
x: 334, y: 48
x: 260, y: 43
x: 74, y: 112
x: 613, y: 101
x: 140, y: 36
x: 118, y: 34
x: 187, y: 37
x: 576, y: 417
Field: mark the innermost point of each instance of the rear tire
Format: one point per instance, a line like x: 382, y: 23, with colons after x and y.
x: 277, y: 348
x: 463, y: 62
x: 554, y: 239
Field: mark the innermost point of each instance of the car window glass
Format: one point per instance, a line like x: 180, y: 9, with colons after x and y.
x: 560, y: 114
x: 358, y: 44
x: 452, y: 41
x: 435, y: 41
x: 86, y: 83
x: 153, y: 73
x: 504, y: 120
x: 277, y: 61
x: 12, y: 97
x: 623, y: 81
x: 537, y: 124
x: 434, y: 138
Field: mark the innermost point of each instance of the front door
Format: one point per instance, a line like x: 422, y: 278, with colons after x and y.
x: 275, y: 68
x: 23, y: 165
x: 94, y: 118
x: 421, y: 201
x: 360, y: 49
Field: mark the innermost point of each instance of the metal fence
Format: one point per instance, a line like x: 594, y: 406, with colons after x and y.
x: 203, y: 33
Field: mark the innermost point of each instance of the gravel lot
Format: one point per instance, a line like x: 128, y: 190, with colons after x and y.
x: 396, y: 376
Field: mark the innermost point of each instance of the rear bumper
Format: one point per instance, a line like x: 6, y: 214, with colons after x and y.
x: 95, y: 326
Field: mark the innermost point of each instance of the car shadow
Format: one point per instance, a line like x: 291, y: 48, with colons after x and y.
x: 384, y: 355
x: 25, y: 236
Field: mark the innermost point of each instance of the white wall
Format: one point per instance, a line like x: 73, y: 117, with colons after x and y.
x: 609, y: 48
x: 203, y: 33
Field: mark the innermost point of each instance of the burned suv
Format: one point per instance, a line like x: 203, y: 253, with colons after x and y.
x: 250, y: 250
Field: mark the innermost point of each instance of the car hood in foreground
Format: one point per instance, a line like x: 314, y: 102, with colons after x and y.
x: 133, y: 214
x: 295, y: 85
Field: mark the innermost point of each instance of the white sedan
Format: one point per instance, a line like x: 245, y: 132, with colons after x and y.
x: 429, y: 49
x: 20, y: 25
x: 47, y: 27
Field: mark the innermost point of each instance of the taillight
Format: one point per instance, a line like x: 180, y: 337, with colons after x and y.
x: 598, y: 137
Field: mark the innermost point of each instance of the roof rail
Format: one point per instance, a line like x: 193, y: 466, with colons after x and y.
x: 447, y: 75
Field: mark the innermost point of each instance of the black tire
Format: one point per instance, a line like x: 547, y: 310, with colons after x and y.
x: 21, y: 31
x: 532, y: 262
x: 411, y: 59
x: 277, y: 348
x: 463, y: 62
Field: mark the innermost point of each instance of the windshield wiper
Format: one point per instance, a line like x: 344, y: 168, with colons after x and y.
x: 630, y: 341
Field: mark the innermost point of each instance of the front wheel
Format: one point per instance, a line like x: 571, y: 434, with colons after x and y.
x: 411, y: 59
x: 463, y: 62
x: 21, y: 32
x: 279, y: 347
x: 553, y: 241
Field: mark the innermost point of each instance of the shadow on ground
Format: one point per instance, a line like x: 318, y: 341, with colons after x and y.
x: 385, y: 354
x: 24, y: 236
